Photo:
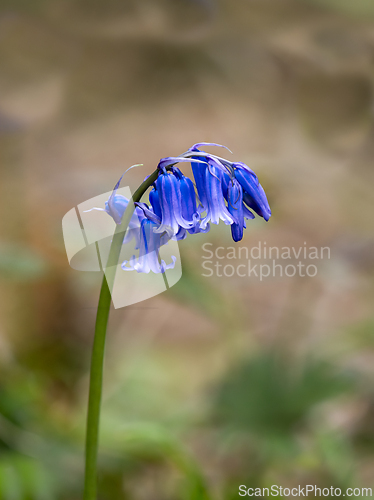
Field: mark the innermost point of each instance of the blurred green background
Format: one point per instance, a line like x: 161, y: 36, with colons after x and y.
x: 217, y: 382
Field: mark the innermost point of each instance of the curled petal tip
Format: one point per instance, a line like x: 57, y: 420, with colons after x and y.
x: 120, y: 179
x: 95, y: 208
x: 198, y: 144
x: 133, y: 166
x: 172, y: 160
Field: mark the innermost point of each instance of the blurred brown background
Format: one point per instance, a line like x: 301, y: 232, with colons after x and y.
x: 219, y: 381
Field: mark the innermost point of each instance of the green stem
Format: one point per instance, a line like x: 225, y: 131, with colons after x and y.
x: 97, y: 359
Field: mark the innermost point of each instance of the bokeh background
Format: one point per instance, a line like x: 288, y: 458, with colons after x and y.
x: 217, y: 382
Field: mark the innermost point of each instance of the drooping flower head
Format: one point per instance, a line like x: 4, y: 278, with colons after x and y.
x: 225, y: 190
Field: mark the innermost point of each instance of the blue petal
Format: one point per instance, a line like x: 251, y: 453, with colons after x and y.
x: 148, y: 259
x: 198, y: 170
x: 226, y: 179
x: 188, y: 200
x: 235, y: 206
x: 155, y: 202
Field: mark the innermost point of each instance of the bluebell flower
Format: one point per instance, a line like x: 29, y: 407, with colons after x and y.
x: 226, y: 179
x: 176, y: 199
x: 170, y: 198
x: 254, y: 195
x: 155, y: 202
x: 225, y: 190
x: 216, y: 209
x: 235, y: 206
x: 187, y: 196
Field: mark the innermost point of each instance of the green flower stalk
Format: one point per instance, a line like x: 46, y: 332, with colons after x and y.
x: 98, y: 349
